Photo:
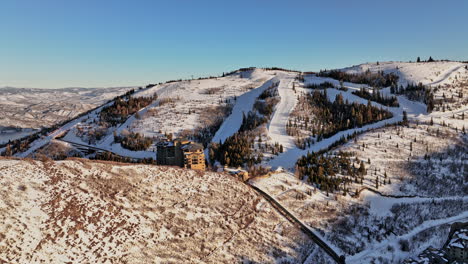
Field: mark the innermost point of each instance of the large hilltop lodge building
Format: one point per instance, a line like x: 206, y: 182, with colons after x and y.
x: 182, y: 153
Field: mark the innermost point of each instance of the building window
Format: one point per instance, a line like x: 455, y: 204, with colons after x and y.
x: 171, y: 152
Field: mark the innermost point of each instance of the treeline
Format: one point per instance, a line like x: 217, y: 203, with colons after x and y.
x: 239, y: 150
x: 376, y: 79
x: 266, y: 107
x: 330, y: 118
x: 416, y: 92
x: 251, y: 121
x: 246, y: 69
x: 323, y: 85
x: 279, y: 69
x: 428, y: 60
x: 133, y: 141
x: 376, y: 96
x: 109, y: 156
x: 321, y: 170
x: 123, y: 107
x: 271, y: 91
x: 19, y: 145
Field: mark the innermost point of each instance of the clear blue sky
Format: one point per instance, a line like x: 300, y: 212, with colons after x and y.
x: 97, y: 43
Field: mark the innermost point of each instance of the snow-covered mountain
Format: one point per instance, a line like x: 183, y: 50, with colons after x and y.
x: 404, y: 182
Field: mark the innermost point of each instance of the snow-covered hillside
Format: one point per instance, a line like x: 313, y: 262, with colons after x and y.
x: 192, y: 104
x: 411, y: 159
x: 36, y: 108
x: 424, y: 163
x: 428, y: 73
x: 87, y: 212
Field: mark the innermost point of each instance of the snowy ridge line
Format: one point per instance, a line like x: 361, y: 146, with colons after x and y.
x: 306, y: 229
x: 446, y: 75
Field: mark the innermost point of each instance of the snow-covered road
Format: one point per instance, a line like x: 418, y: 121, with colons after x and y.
x: 378, y: 248
x: 39, y: 143
x: 446, y: 75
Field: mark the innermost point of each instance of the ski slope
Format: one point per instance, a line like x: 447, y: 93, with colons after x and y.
x: 244, y: 104
x: 288, y: 158
x: 427, y: 73
x: 277, y: 126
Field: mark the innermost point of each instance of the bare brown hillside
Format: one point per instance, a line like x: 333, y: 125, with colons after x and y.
x: 78, y: 211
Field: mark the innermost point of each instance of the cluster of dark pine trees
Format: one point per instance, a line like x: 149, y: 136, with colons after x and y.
x: 416, y: 92
x: 236, y: 150
x: 429, y: 60
x: 263, y: 109
x: 133, y: 141
x: 376, y: 96
x: 375, y: 79
x: 323, y: 85
x: 271, y: 91
x: 321, y: 170
x: 19, y: 145
x: 340, y: 115
x: 123, y: 107
x: 251, y: 121
x: 279, y: 69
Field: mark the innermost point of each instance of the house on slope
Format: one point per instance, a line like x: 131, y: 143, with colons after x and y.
x: 429, y: 256
x: 181, y: 152
x: 457, y: 247
x: 454, y: 251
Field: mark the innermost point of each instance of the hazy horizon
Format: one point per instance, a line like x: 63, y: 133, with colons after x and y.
x: 200, y: 76
x: 59, y: 44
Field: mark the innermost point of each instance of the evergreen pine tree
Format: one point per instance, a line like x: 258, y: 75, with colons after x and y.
x: 405, y: 118
x: 8, y: 151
